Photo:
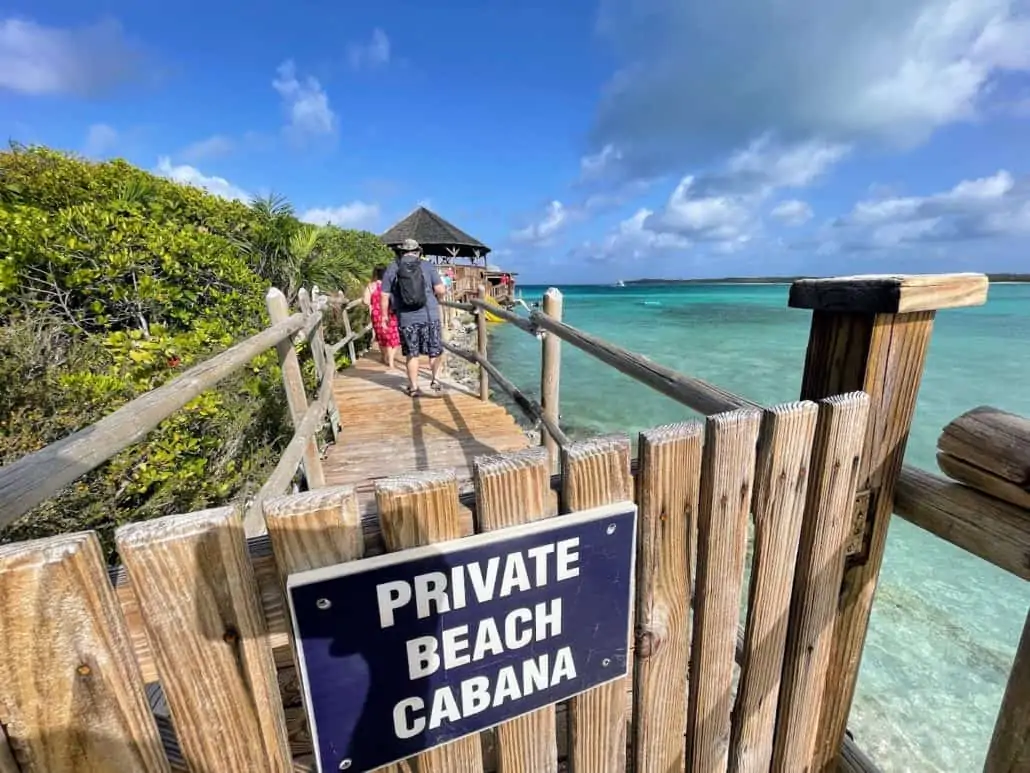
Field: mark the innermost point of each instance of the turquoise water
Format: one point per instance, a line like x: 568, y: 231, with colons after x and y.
x: 945, y: 624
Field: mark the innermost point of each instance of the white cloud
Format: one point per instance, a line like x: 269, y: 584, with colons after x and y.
x: 997, y: 206
x: 39, y: 60
x: 541, y: 232
x: 593, y: 166
x: 189, y: 175
x: 212, y: 147
x: 306, y: 102
x: 374, y: 53
x: 632, y: 240
x: 792, y: 212
x: 357, y: 214
x: 100, y: 140
x: 697, y: 80
x: 768, y: 164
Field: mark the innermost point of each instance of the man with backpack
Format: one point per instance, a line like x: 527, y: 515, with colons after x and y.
x: 412, y: 286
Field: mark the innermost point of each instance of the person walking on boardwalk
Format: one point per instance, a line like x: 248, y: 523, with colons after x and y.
x: 412, y: 286
x: 386, y: 331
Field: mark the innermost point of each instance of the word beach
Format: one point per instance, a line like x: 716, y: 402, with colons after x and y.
x: 403, y: 652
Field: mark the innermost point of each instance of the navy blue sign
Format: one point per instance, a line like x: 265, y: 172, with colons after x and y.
x: 403, y: 652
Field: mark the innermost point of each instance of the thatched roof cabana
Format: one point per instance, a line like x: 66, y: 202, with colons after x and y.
x: 436, y: 235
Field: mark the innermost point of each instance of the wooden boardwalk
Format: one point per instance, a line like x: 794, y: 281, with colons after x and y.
x: 386, y: 433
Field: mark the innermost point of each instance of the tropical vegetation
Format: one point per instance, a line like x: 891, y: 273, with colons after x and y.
x: 112, y: 281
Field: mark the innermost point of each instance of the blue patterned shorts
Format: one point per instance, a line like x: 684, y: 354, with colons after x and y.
x: 422, y: 338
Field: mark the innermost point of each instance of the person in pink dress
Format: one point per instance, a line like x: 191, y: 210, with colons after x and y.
x: 387, y: 334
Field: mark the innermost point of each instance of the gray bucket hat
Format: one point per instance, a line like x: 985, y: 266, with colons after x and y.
x: 410, y: 245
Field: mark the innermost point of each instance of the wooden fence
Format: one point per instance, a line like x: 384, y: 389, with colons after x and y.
x: 38, y: 476
x: 197, y: 612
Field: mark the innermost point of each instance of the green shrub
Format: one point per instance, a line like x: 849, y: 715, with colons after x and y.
x: 112, y: 282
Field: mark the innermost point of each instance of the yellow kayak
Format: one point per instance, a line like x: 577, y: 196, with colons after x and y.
x: 492, y: 317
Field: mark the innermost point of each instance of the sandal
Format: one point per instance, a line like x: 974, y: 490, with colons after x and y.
x: 436, y: 386
x: 412, y: 392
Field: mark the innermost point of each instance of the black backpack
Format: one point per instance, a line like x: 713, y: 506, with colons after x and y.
x: 411, y: 284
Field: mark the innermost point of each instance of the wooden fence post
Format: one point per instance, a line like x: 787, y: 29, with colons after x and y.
x: 550, y: 371
x: 778, y: 505
x: 325, y: 362
x: 71, y: 691
x: 596, y: 472
x: 727, y: 476
x: 415, y: 510
x: 513, y: 489
x: 347, y: 335
x: 293, y: 383
x: 201, y: 607
x: 833, y: 478
x: 667, y: 495
x: 870, y: 334
x: 481, y: 347
x: 1010, y: 743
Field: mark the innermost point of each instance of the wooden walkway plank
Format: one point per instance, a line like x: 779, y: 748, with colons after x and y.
x: 386, y: 433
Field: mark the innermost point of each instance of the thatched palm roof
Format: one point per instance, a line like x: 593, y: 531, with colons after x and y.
x: 436, y: 235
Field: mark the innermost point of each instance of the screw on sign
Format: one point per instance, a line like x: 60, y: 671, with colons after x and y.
x: 406, y: 651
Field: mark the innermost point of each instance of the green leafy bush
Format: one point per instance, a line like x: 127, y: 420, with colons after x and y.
x: 113, y: 281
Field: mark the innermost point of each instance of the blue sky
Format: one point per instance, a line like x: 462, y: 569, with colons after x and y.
x: 582, y: 141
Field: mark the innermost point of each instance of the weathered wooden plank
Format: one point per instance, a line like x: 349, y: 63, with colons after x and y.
x: 993, y: 440
x: 201, y: 609
x: 988, y: 483
x: 668, y: 488
x: 417, y: 510
x: 550, y: 371
x: 314, y: 529
x: 781, y: 485
x: 71, y: 694
x: 835, y: 471
x: 889, y: 294
x: 309, y: 531
x: 293, y: 383
x: 1010, y: 743
x: 883, y: 356
x: 727, y: 477
x: 510, y: 490
x: 596, y: 472
x: 990, y: 528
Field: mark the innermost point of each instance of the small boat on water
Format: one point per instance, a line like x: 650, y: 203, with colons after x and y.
x: 620, y: 283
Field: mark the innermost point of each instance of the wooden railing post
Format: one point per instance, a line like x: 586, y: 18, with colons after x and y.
x: 550, y: 370
x: 347, y: 334
x: 318, y: 351
x: 293, y: 383
x: 1010, y: 743
x: 869, y: 334
x: 481, y: 342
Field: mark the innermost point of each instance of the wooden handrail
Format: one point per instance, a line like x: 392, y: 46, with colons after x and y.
x: 508, y: 316
x: 990, y: 528
x: 457, y: 305
x: 36, y: 477
x: 693, y: 392
x: 348, y: 339
x: 530, y: 407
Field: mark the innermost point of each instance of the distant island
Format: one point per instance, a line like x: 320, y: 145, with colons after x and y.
x: 767, y: 280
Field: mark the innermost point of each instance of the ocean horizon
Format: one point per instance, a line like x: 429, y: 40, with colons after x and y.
x: 945, y: 623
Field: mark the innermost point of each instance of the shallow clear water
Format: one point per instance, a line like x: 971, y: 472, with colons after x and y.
x: 945, y: 624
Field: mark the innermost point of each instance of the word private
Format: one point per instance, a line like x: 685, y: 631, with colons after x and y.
x: 403, y: 652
